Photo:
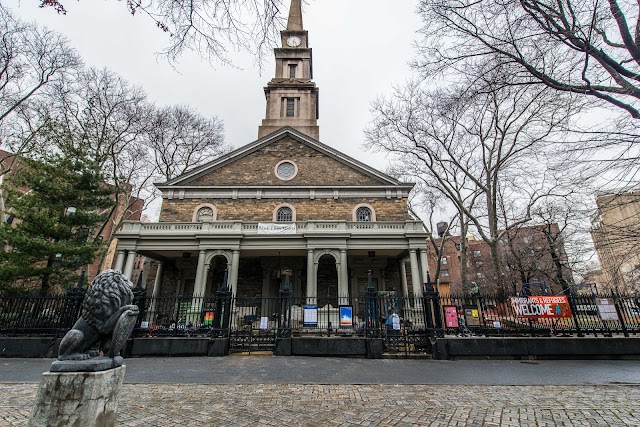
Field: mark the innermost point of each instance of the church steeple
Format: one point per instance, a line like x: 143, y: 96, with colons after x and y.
x: 292, y: 96
x: 295, y: 16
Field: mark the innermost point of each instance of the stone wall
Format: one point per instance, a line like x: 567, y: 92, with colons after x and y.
x: 250, y: 277
x: 314, y: 168
x: 263, y: 209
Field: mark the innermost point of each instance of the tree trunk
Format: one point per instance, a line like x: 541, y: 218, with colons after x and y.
x: 464, y: 267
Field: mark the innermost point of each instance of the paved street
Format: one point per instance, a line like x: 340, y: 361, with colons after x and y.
x: 241, y: 390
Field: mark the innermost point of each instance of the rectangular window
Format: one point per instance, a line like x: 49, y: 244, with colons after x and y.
x: 444, y: 273
x: 444, y: 261
x: 292, y: 71
x: 291, y: 107
x: 477, y: 254
x: 479, y: 264
x: 480, y: 275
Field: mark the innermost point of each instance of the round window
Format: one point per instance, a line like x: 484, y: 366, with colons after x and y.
x: 286, y: 170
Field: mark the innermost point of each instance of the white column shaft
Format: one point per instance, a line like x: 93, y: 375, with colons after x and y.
x: 312, y: 290
x: 200, y: 283
x: 424, y: 265
x: 343, y: 282
x: 415, y: 273
x: 233, y: 274
x: 403, y: 278
x: 128, y: 267
x: 119, y: 260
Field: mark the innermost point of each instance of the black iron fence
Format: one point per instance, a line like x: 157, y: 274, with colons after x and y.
x: 405, y: 323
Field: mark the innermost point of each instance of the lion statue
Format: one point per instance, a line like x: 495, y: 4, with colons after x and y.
x: 108, y: 317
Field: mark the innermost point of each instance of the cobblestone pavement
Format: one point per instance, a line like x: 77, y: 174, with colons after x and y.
x: 356, y: 405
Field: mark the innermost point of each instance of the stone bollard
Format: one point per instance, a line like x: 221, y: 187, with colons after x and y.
x: 83, y: 399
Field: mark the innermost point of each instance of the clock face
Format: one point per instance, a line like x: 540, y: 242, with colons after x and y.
x: 294, y: 41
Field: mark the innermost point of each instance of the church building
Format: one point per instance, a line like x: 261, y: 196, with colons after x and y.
x: 285, y: 204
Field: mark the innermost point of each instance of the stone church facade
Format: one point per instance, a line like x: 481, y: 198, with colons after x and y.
x: 283, y: 205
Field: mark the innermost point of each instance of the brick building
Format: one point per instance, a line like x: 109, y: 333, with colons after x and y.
x: 616, y: 234
x: 529, y: 254
x: 127, y: 207
x: 285, y: 204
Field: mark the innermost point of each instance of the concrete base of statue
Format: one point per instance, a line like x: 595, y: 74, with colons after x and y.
x: 84, y: 399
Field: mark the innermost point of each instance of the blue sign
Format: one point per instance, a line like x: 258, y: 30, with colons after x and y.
x: 346, y: 315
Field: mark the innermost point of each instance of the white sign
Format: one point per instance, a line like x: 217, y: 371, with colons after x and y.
x: 264, y: 323
x: 144, y: 324
x: 269, y: 228
x: 310, y: 315
x: 497, y: 324
x: 607, y: 309
x: 395, y: 320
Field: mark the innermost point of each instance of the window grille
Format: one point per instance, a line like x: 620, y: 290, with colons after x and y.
x: 363, y: 214
x: 291, y: 107
x: 284, y: 214
x: 204, y: 214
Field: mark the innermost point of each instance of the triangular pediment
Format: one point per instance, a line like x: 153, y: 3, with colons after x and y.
x: 255, y: 165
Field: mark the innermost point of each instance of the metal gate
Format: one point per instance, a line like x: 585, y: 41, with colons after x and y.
x: 253, y: 325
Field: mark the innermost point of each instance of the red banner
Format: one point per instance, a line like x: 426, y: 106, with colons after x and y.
x: 541, y: 306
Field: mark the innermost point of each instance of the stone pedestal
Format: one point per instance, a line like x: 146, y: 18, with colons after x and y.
x: 84, y: 399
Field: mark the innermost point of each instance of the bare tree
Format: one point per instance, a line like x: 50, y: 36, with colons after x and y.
x: 181, y: 139
x: 210, y: 27
x: 32, y: 59
x: 584, y: 47
x: 100, y: 112
x: 478, y: 145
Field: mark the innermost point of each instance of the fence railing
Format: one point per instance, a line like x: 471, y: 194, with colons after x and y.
x: 379, y: 314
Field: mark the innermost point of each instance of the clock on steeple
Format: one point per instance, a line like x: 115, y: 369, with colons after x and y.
x: 292, y: 96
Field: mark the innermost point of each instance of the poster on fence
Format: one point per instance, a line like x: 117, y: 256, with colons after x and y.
x: 471, y: 315
x: 346, y: 316
x: 264, y: 322
x: 208, y: 318
x: 451, y: 316
x: 607, y: 309
x: 541, y: 306
x: 310, y: 315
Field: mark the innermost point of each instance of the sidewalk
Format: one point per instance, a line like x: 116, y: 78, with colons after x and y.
x: 267, y: 401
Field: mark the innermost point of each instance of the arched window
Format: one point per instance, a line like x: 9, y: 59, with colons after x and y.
x: 205, y: 214
x: 364, y: 214
x: 285, y: 214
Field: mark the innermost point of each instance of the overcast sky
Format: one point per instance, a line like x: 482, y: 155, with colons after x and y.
x: 360, y: 51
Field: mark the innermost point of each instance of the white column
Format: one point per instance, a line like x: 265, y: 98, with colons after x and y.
x: 343, y: 282
x: 415, y: 273
x: 312, y: 290
x: 128, y: 267
x: 424, y: 265
x: 233, y: 274
x: 403, y: 278
x: 158, y: 282
x: 198, y: 288
x: 200, y: 283
x: 119, y: 260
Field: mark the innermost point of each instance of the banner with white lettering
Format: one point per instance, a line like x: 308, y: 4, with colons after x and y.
x: 268, y: 228
x: 541, y: 306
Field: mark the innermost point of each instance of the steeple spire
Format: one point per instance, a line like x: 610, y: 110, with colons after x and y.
x: 292, y: 96
x: 295, y: 16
